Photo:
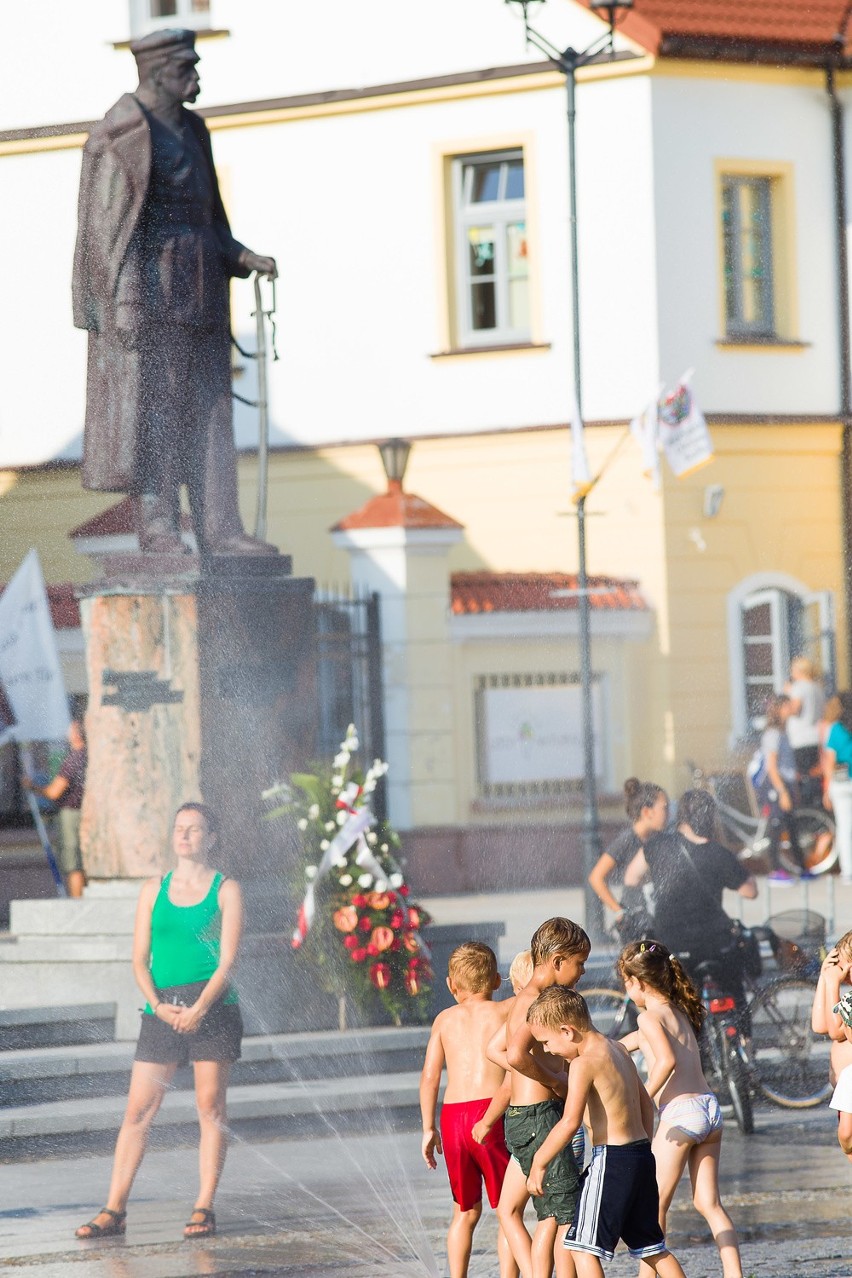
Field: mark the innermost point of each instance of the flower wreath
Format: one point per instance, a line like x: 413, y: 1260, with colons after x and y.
x: 356, y: 922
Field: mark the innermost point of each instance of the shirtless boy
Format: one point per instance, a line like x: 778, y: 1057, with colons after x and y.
x: 619, y: 1196
x: 471, y: 1135
x: 559, y: 949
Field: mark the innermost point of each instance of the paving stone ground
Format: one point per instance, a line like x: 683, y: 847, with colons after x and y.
x: 366, y: 1207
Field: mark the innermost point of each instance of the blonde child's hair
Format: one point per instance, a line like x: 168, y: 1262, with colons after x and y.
x: 844, y: 945
x: 558, y: 1006
x: 653, y: 963
x: 473, y: 967
x: 520, y: 973
x: 803, y: 666
x: 558, y: 936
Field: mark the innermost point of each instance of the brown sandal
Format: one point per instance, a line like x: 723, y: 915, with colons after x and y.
x: 115, y: 1227
x: 203, y: 1228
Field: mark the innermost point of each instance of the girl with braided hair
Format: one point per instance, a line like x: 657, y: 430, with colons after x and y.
x: 690, y: 1126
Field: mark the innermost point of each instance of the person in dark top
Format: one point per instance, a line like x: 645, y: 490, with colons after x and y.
x: 66, y: 791
x: 647, y: 807
x: 689, y: 871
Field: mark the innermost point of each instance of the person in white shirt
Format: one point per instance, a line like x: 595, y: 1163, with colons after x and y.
x: 807, y: 702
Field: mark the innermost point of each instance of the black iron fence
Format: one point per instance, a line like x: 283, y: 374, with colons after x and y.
x: 349, y: 676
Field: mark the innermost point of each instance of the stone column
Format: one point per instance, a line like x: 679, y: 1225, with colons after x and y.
x: 406, y: 562
x: 201, y: 687
x: 143, y: 726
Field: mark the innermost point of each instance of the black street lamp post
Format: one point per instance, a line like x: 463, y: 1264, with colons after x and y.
x: 568, y: 61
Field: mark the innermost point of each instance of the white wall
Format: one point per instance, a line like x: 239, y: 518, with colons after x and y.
x: 695, y: 123
x: 350, y: 205
x: 275, y: 48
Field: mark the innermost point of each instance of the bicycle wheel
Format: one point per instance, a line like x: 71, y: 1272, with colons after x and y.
x: 790, y: 1061
x: 816, y: 841
x: 739, y: 1092
x: 609, y: 1011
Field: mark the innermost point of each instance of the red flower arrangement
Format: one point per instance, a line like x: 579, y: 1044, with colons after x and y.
x: 356, y: 922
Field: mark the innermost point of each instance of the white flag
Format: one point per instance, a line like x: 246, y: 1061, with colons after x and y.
x: 580, y: 473
x: 29, y: 661
x: 645, y: 430
x: 683, y: 430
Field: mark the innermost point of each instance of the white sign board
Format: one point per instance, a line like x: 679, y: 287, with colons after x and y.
x: 29, y: 661
x: 535, y: 734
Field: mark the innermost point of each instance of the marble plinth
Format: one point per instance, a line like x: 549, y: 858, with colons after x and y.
x: 202, y: 686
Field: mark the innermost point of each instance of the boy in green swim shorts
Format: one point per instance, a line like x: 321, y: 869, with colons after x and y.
x: 559, y: 950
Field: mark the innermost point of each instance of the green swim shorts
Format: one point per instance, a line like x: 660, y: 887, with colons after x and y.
x: 526, y: 1128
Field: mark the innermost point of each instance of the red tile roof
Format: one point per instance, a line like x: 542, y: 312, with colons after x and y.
x: 744, y: 30
x: 396, y: 509
x: 475, y: 592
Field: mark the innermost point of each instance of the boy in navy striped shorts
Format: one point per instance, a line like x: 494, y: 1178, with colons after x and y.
x: 618, y: 1197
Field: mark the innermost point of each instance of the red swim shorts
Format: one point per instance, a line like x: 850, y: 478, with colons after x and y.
x: 468, y: 1163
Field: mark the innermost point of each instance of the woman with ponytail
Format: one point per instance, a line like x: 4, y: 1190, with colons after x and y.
x: 689, y: 1132
x: 647, y: 807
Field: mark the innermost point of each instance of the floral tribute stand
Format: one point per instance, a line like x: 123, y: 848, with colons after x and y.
x: 358, y: 933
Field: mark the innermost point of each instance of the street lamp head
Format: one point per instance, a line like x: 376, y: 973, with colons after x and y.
x: 612, y: 6
x: 524, y: 6
x: 394, y: 454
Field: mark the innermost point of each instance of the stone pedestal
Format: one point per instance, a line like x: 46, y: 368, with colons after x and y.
x: 201, y: 687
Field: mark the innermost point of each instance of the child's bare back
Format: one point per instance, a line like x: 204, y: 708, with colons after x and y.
x: 687, y: 1076
x: 465, y: 1031
x: 614, y: 1099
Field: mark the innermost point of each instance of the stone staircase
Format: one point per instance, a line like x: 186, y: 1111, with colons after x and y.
x: 63, y: 1083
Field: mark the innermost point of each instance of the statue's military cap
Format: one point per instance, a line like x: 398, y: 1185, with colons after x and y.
x: 159, y: 46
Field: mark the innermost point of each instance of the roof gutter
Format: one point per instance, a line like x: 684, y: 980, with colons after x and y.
x: 843, y: 319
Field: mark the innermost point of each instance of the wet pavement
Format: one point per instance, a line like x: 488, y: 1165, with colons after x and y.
x: 365, y: 1206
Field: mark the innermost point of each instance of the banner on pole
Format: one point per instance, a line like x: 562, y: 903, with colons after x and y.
x: 683, y: 431
x: 645, y: 429
x: 29, y: 660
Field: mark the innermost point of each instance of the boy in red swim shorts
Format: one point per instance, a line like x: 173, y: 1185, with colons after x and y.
x: 471, y: 1134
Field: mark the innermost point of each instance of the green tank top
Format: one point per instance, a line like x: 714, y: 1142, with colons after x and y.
x: 186, y: 939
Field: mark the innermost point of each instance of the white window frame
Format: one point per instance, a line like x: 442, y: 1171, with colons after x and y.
x: 777, y: 639
x: 766, y: 325
x: 772, y: 588
x: 499, y: 213
x: 142, y: 23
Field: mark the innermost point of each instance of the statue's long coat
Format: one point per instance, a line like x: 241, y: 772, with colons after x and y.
x: 113, y: 188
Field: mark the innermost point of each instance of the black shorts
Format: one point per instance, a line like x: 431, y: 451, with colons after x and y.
x: 218, y: 1037
x: 618, y: 1199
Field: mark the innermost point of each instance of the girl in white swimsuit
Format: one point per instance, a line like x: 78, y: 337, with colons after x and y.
x: 689, y: 1132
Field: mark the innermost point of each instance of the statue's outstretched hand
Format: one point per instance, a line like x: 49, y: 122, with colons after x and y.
x: 257, y: 262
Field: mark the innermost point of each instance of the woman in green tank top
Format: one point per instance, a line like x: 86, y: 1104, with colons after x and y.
x: 185, y: 943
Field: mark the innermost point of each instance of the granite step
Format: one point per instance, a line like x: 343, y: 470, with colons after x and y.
x: 283, y: 1110
x: 52, y: 1075
x: 25, y: 1028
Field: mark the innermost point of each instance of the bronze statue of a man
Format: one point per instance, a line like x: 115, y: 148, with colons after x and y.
x: 152, y: 266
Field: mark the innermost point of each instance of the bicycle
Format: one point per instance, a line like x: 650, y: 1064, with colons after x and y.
x: 815, y: 827
x: 767, y: 1049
